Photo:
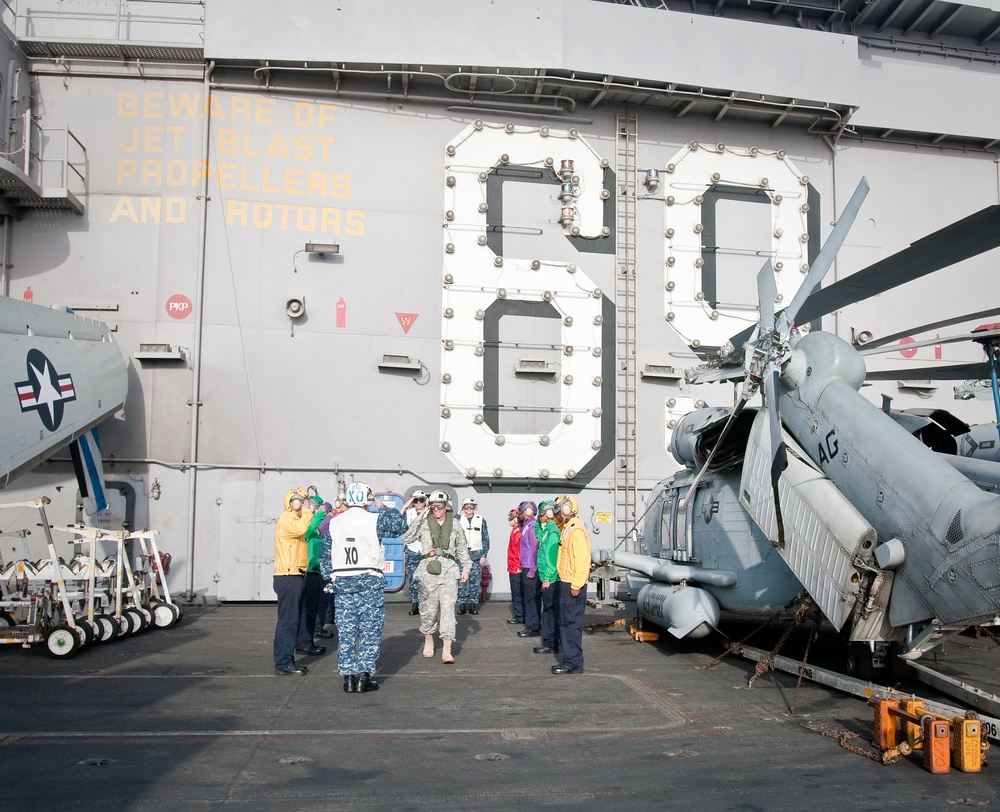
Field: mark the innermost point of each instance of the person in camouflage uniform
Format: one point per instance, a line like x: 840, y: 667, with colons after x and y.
x: 353, y: 559
x: 477, y: 535
x: 444, y: 564
x: 411, y: 552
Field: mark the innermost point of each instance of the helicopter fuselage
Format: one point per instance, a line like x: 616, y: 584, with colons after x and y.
x: 948, y: 527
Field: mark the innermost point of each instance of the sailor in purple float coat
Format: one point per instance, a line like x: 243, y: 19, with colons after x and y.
x: 529, y: 570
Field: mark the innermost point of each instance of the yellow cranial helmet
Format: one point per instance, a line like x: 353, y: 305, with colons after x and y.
x: 292, y: 495
x: 567, y: 506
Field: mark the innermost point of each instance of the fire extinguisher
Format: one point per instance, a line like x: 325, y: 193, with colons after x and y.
x: 485, y: 583
x: 157, y: 572
x: 341, y: 312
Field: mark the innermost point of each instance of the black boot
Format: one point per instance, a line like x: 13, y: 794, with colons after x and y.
x: 414, y: 609
x: 366, y: 683
x: 473, y: 608
x: 351, y: 683
x: 461, y: 608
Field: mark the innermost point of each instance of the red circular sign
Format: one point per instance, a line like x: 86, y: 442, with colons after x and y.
x: 907, y: 353
x: 179, y: 306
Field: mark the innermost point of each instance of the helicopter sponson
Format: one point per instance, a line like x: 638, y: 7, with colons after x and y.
x: 669, y: 600
x: 685, y: 611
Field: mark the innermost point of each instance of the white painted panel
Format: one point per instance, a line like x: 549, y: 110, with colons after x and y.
x: 948, y: 96
x: 246, y: 543
x: 578, y: 35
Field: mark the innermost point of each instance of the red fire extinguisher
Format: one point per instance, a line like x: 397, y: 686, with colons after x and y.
x: 485, y: 583
x: 158, y: 571
x: 341, y: 312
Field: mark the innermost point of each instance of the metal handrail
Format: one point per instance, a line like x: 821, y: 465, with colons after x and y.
x: 34, y: 159
x: 117, y: 17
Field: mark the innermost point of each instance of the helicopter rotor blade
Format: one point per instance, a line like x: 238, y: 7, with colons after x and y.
x: 767, y: 292
x: 761, y: 339
x: 827, y: 253
x: 966, y: 238
x: 930, y: 342
x: 822, y: 264
x: 923, y: 328
x: 779, y: 451
x: 958, y: 372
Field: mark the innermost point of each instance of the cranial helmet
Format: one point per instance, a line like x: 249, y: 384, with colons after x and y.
x: 543, y: 506
x: 290, y: 495
x: 567, y: 505
x: 438, y: 496
x: 524, y: 508
x: 358, y: 495
x: 469, y: 501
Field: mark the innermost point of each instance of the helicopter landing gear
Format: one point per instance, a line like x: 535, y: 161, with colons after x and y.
x: 895, y: 665
x: 860, y: 661
x: 879, y: 662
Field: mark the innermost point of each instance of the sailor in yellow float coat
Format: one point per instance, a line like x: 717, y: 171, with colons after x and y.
x: 573, y: 566
x: 291, y: 560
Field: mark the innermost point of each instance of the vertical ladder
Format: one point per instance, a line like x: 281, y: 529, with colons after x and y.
x: 625, y: 376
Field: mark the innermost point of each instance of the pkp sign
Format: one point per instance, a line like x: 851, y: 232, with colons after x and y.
x: 179, y: 306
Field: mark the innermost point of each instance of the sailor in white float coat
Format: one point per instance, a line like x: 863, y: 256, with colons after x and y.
x: 354, y: 560
x: 477, y: 534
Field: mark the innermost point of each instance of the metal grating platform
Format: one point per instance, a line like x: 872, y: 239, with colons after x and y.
x: 111, y: 50
x: 22, y: 192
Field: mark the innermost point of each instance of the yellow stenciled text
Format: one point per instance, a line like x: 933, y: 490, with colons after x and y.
x: 259, y: 150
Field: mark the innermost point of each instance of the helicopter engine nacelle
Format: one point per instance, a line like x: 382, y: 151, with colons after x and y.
x: 697, y: 433
x: 685, y: 611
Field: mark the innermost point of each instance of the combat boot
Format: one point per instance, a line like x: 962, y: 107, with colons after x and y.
x: 414, y: 609
x: 461, y: 608
x: 366, y: 683
x: 473, y: 608
x: 428, y: 645
x: 446, y: 656
x: 350, y: 683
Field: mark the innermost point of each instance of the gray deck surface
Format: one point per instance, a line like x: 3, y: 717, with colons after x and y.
x: 194, y: 718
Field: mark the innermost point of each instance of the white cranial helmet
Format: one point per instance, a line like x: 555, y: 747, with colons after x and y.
x: 359, y: 495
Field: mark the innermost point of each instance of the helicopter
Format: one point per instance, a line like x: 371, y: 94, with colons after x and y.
x: 63, y: 374
x: 818, y: 492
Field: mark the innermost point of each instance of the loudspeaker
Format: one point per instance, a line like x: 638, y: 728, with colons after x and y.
x: 295, y: 307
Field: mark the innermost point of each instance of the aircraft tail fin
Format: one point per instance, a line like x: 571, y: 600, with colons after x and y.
x: 89, y: 468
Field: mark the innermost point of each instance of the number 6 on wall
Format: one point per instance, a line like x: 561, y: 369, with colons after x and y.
x: 480, y: 283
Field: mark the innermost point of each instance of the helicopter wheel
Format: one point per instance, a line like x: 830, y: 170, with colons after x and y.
x: 895, y: 666
x: 860, y: 663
